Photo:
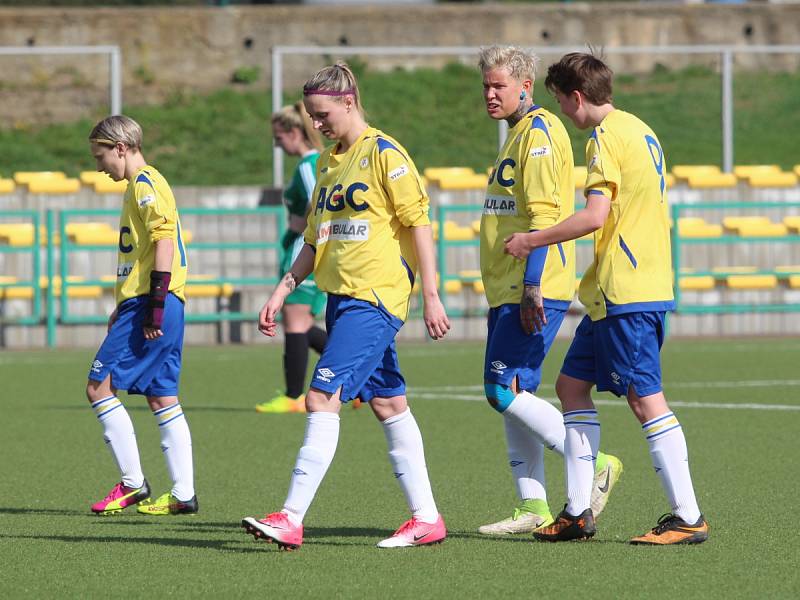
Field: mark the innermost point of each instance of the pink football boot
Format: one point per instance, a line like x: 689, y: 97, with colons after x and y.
x: 416, y: 533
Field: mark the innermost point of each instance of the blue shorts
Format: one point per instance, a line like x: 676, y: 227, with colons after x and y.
x: 146, y: 367
x: 618, y: 352
x: 360, y: 355
x: 510, y: 352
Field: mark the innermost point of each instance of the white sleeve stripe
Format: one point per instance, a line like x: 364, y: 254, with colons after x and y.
x: 307, y: 175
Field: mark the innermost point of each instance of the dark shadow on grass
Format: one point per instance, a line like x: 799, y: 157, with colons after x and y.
x: 9, y: 510
x: 219, y: 545
x: 129, y: 406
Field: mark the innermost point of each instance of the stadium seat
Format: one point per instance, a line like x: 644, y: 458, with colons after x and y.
x: 696, y: 227
x: 7, y: 186
x: 21, y: 234
x: 477, y: 287
x: 763, y: 230
x: 669, y: 179
x: 683, y: 172
x: 102, y: 183
x: 699, y: 283
x: 87, y: 292
x: 109, y: 186
x: 54, y: 186
x: 435, y: 174
x: 77, y: 226
x: 796, y: 170
x: 748, y: 171
x: 455, y: 232
x: 754, y: 226
x: 794, y: 281
x: 25, y: 177
x: 751, y: 282
x: 94, y: 237
x: 476, y: 181
x: 792, y: 222
x: 712, y: 180
x: 89, y: 177
x: 476, y: 226
x: 773, y: 180
x: 209, y: 290
x: 451, y: 286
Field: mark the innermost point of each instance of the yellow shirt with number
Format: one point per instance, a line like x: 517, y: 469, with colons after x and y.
x: 531, y: 187
x: 632, y: 266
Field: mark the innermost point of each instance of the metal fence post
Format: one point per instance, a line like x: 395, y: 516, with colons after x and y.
x: 727, y: 111
x: 277, y: 101
x: 51, y: 293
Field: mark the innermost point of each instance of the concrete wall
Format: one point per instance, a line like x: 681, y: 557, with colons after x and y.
x: 169, y: 49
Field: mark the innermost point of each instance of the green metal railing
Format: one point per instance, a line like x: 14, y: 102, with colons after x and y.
x: 59, y: 248
x: 57, y: 221
x: 679, y: 243
x: 443, y: 245
x: 33, y: 250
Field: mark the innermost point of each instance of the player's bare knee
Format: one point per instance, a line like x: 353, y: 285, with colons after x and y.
x: 159, y: 402
x: 498, y: 396
x: 386, y: 408
x: 97, y: 390
x: 321, y: 401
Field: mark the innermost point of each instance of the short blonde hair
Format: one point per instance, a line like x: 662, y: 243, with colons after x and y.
x: 337, y: 80
x: 296, y: 117
x: 115, y: 129
x: 520, y: 62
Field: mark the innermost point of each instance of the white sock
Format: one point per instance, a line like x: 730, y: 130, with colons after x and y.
x: 540, y: 418
x: 313, y: 460
x: 526, y: 459
x: 121, y: 439
x: 671, y: 460
x: 581, y: 443
x: 176, y: 444
x: 407, y: 456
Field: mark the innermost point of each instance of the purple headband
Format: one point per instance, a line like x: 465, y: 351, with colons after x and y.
x: 318, y: 92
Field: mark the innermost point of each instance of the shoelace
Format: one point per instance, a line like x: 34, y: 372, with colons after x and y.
x: 280, y: 517
x: 410, y: 524
x: 664, y: 523
x: 113, y: 492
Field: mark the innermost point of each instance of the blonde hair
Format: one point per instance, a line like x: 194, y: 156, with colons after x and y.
x: 117, y: 128
x: 296, y: 117
x: 336, y: 81
x: 520, y: 62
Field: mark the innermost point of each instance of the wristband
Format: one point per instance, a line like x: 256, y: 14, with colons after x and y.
x: 159, y: 288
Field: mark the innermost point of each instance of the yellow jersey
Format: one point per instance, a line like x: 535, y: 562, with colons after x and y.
x: 632, y: 266
x: 149, y: 214
x: 531, y: 187
x: 365, y: 202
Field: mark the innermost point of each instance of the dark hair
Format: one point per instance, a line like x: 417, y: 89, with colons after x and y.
x: 582, y: 72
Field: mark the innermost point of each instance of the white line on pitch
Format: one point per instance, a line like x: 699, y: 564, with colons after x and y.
x: 609, y: 402
x: 747, y: 383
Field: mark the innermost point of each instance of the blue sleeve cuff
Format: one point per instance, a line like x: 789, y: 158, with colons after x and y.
x: 535, y: 266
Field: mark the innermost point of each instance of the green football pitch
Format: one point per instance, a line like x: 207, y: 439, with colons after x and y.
x: 737, y: 400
